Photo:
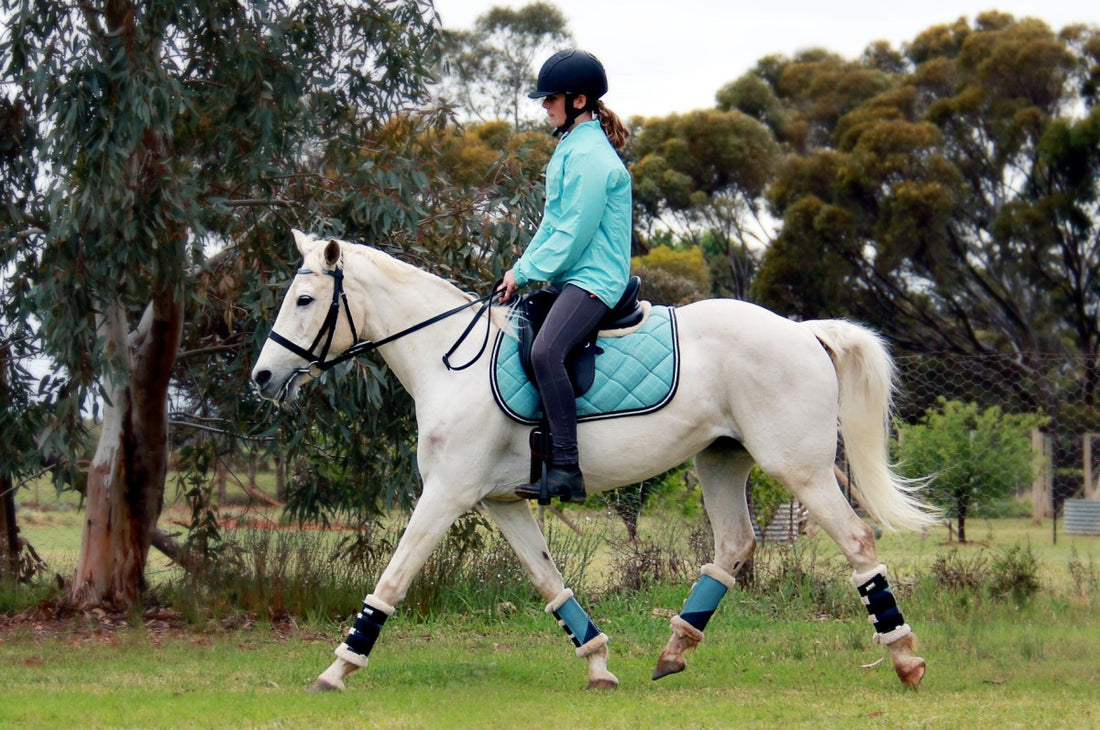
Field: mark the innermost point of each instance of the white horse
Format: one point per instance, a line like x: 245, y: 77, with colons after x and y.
x: 753, y: 387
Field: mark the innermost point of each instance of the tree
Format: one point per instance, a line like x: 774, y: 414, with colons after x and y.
x: 459, y: 201
x: 937, y: 201
x: 21, y: 418
x: 489, y: 70
x: 704, y: 173
x: 975, y: 458
x: 149, y: 131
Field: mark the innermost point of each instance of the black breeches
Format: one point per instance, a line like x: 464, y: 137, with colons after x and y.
x: 575, y: 313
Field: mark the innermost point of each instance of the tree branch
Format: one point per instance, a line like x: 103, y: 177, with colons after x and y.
x: 175, y: 422
x: 258, y: 203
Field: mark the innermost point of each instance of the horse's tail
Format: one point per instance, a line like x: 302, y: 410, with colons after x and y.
x: 865, y: 374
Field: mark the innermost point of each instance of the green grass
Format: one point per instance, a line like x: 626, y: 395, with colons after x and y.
x: 777, y: 659
x: 1034, y: 669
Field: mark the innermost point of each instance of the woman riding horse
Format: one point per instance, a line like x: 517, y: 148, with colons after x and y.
x: 582, y: 246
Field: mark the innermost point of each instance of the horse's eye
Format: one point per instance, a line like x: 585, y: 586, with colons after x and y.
x: 305, y: 300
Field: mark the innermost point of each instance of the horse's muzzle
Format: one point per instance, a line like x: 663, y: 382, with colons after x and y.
x: 269, y: 388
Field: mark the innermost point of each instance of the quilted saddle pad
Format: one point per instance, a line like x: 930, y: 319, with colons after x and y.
x: 635, y: 374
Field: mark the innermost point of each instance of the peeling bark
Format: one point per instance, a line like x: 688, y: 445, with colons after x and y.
x: 127, y: 474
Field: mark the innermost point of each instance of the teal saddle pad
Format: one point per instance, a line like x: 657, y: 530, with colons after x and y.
x: 635, y: 374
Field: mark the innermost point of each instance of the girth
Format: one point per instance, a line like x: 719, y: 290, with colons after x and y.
x: 531, y: 313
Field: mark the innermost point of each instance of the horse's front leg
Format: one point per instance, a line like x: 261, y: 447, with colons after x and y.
x: 430, y: 520
x: 519, y: 528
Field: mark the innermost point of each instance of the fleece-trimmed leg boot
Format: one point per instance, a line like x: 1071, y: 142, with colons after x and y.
x: 564, y: 482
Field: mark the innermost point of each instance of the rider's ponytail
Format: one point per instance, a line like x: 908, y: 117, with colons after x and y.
x: 613, y: 127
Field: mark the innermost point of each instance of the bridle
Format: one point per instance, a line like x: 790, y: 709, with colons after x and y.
x: 320, y: 363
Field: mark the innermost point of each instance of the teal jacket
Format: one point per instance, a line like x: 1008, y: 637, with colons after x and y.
x: 584, y: 236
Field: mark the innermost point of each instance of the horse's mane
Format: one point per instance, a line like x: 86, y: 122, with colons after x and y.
x: 402, y: 271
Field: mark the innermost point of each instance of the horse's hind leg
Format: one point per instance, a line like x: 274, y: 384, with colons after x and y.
x: 521, y: 531
x: 821, y: 495
x: 723, y: 470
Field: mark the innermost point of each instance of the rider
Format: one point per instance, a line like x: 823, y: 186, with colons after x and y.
x: 582, y: 245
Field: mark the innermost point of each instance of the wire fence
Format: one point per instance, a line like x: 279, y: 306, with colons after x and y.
x: 1060, y: 387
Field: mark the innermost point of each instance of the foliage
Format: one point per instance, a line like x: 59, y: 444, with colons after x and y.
x: 489, y: 70
x: 793, y: 578
x: 946, y: 195
x: 704, y: 173
x: 270, y: 573
x: 768, y: 493
x: 672, y: 276
x: 314, y: 103
x: 1082, y: 575
x: 660, y: 286
x: 1010, y: 575
x: 1016, y: 574
x: 675, y: 489
x: 151, y: 137
x: 976, y: 457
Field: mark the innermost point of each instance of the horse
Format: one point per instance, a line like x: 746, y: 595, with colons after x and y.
x: 754, y: 388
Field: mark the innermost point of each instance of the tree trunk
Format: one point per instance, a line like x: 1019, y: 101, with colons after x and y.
x: 9, y: 533
x: 220, y: 481
x: 961, y: 504
x: 127, y: 474
x: 280, y: 477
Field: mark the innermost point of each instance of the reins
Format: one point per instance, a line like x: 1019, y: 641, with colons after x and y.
x: 318, y: 364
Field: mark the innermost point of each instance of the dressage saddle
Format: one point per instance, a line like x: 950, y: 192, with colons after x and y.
x: 581, y: 362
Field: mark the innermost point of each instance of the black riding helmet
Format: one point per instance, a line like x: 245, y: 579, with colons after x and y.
x: 572, y: 72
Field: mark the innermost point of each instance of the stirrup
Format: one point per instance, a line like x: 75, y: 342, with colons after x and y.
x: 565, y: 484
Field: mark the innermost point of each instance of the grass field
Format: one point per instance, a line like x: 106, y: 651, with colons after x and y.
x: 1034, y: 669
x: 765, y: 661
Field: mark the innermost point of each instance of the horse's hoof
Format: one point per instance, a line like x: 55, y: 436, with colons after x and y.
x: 323, y: 685
x: 911, y: 671
x: 603, y: 683
x: 666, y: 667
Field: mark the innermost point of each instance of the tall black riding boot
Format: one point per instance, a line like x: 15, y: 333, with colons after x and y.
x: 564, y: 482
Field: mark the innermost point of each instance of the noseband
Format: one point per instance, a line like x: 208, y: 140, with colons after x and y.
x: 318, y: 364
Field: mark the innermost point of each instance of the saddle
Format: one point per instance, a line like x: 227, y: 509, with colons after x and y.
x: 581, y: 361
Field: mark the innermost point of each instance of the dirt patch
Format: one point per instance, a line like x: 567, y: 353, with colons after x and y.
x: 54, y: 621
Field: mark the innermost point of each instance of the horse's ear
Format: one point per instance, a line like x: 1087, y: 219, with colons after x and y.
x: 303, y: 241
x: 332, y: 253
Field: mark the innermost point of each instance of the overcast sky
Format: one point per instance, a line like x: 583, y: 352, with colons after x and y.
x: 666, y: 56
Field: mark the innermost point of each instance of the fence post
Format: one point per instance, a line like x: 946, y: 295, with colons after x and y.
x: 1043, y: 485
x: 1092, y: 488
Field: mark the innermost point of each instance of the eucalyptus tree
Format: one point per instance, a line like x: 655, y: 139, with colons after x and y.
x: 703, y: 174
x: 951, y: 201
x: 146, y: 134
x: 489, y: 69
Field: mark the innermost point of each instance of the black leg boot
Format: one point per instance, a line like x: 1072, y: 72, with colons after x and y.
x: 564, y: 482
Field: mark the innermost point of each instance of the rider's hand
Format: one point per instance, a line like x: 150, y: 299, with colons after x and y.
x: 508, y: 286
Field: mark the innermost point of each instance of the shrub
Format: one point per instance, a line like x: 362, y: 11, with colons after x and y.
x: 967, y: 579
x: 685, y: 263
x: 794, y: 579
x: 1083, y: 576
x: 673, y: 275
x: 975, y: 458
x: 1015, y: 574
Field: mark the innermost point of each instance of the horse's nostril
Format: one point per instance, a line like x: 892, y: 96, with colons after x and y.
x: 261, y: 377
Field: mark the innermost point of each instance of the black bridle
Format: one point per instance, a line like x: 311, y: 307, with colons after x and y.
x: 318, y: 364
